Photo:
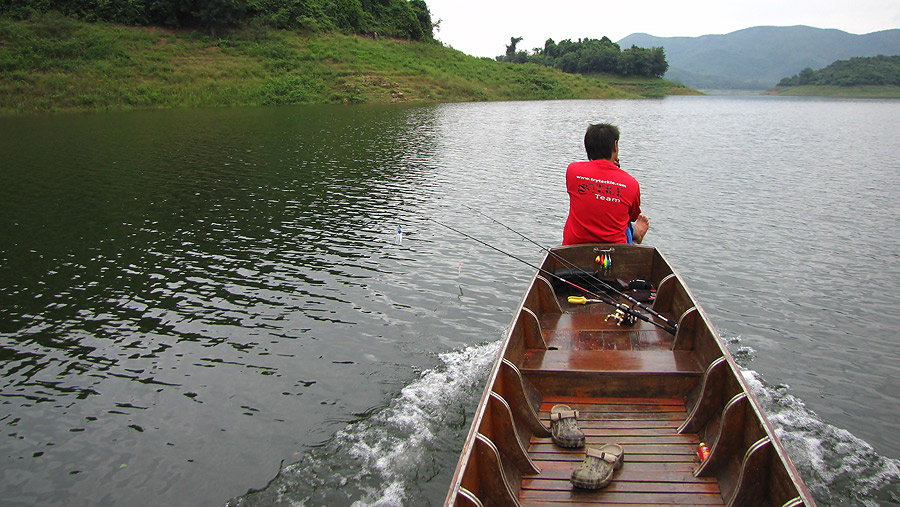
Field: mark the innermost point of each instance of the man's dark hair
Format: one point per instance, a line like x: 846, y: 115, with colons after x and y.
x: 600, y: 140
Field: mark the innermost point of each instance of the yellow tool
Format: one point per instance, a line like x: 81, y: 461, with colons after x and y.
x: 581, y: 300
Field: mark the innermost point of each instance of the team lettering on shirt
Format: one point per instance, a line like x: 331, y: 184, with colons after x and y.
x: 603, y: 190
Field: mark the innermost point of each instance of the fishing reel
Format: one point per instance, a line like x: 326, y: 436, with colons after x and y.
x: 621, y: 317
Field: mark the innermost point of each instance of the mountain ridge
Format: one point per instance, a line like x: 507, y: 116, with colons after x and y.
x: 759, y: 57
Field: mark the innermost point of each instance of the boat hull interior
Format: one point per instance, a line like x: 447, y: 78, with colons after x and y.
x: 656, y: 393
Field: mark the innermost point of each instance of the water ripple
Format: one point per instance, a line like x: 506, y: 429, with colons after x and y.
x: 190, y: 297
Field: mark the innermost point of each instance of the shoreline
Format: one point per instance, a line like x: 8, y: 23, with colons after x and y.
x: 838, y: 92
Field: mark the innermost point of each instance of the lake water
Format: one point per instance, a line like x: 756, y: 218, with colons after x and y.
x: 197, y: 304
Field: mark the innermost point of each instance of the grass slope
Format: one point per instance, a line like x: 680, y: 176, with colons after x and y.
x: 56, y: 64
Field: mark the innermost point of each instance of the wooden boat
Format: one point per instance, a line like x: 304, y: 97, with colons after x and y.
x: 657, y: 394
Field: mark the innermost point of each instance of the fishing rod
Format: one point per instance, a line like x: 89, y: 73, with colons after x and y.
x: 591, y: 276
x: 624, y: 309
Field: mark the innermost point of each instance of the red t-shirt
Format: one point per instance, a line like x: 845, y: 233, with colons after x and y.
x: 602, y: 200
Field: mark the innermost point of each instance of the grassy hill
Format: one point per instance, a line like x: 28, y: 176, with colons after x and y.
x: 758, y: 57
x: 53, y: 63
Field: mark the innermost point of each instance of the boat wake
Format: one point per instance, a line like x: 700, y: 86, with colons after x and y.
x: 390, y: 457
x: 838, y: 468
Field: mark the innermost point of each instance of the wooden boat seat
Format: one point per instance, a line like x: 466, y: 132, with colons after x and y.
x: 599, y: 373
x: 620, y: 361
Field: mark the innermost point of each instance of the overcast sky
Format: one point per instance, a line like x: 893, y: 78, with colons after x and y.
x: 483, y: 27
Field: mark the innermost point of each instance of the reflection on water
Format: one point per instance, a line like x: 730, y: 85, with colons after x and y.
x: 190, y: 298
x: 169, y: 276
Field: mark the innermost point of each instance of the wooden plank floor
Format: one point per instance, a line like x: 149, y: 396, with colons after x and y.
x: 658, y: 465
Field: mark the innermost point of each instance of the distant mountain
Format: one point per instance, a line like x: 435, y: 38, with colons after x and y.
x: 757, y: 58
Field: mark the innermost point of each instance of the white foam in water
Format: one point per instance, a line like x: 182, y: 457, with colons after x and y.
x: 393, y: 442
x: 838, y: 467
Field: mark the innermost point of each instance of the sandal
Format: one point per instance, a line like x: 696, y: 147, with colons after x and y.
x: 597, y: 469
x: 564, y: 427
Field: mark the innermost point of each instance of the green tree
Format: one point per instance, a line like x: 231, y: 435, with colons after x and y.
x: 423, y: 16
x: 806, y: 76
x: 550, y: 50
x: 217, y: 14
x: 409, y: 19
x: 658, y: 64
x: 568, y: 63
x: 591, y: 56
x: 511, y: 47
x: 345, y: 15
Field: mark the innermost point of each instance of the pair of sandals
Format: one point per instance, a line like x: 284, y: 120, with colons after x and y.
x: 599, y: 463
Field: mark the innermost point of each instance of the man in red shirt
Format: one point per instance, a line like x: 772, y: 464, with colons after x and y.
x: 603, y: 199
